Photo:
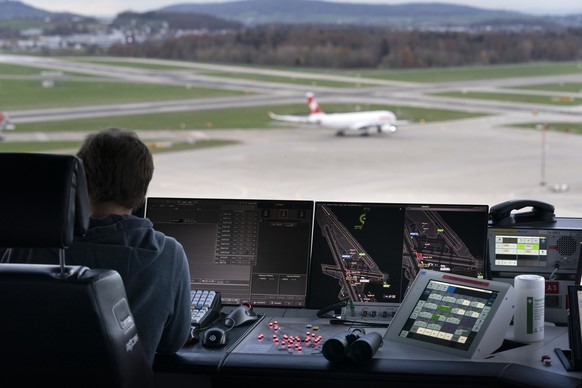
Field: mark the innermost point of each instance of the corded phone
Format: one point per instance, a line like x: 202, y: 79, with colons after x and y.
x: 501, y: 214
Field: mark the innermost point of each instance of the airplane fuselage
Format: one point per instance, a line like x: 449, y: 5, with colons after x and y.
x: 359, y: 122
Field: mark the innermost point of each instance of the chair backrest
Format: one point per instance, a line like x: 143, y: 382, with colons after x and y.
x: 67, y: 324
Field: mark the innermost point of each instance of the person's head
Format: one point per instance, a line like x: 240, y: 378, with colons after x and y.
x: 119, y: 167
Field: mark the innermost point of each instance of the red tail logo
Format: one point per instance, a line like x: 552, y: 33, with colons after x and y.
x: 312, y: 104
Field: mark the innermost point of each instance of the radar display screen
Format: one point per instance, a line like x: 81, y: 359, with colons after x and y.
x: 371, y: 252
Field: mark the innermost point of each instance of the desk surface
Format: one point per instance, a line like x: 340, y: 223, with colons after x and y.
x: 253, y: 352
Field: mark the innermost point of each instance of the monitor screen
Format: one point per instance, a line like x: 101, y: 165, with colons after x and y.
x: 454, y: 314
x: 541, y: 250
x: 371, y: 252
x: 254, y: 251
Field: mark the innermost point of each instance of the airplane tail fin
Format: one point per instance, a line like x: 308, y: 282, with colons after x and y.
x: 5, y: 122
x: 312, y: 104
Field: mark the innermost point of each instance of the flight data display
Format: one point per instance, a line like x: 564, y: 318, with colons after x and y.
x: 371, y: 252
x: 254, y: 251
x: 535, y: 249
x: 521, y: 250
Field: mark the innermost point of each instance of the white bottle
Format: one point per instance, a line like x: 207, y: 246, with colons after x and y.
x: 528, y: 318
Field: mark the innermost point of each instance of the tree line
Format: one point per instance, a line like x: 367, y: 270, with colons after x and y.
x: 362, y: 47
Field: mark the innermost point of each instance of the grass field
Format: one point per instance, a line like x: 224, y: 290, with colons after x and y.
x: 556, y: 127
x: 251, y: 117
x: 573, y: 87
x: 298, y: 80
x: 515, y: 97
x: 71, y: 147
x: 447, y: 74
x: 17, y: 93
x: 8, y: 70
x: 29, y: 94
x: 469, y: 73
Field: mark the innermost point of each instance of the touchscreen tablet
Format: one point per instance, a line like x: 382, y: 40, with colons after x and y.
x: 454, y: 314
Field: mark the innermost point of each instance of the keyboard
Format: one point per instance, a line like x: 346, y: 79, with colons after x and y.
x: 205, y: 306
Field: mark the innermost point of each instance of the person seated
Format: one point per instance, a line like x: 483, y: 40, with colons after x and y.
x: 153, y: 266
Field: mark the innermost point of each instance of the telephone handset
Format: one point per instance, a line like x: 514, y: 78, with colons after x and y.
x: 501, y: 214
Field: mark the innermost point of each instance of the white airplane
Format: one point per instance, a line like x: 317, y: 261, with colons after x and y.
x: 362, y: 123
x: 4, y: 124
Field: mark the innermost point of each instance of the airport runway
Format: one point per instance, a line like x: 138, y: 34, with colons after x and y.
x: 480, y: 160
x: 469, y: 161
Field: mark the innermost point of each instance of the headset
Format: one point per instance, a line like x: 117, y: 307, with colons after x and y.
x: 353, y: 345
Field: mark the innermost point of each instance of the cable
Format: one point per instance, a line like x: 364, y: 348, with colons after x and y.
x: 323, y: 313
x: 349, y: 322
x: 553, y: 274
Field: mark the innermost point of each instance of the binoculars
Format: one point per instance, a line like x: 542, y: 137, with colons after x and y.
x: 355, y: 345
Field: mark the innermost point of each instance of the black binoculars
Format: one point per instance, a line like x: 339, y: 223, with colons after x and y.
x: 355, y: 345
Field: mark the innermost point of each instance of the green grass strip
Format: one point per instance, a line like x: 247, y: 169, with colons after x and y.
x: 575, y: 128
x: 250, y: 117
x: 515, y: 97
x: 29, y: 94
x: 71, y: 147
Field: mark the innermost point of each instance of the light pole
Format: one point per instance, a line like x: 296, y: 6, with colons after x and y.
x: 543, y: 155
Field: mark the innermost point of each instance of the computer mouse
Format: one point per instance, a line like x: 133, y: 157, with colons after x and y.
x: 240, y: 315
x: 214, y: 337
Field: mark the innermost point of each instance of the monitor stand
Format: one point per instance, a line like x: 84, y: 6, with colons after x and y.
x: 564, y: 357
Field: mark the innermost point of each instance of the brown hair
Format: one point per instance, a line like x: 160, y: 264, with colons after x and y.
x: 119, y: 167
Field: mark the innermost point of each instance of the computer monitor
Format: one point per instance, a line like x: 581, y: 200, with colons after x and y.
x: 253, y: 251
x: 371, y: 252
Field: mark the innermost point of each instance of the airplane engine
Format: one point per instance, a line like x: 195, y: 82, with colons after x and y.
x: 387, y: 128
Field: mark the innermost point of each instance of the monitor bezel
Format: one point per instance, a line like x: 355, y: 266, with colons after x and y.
x: 575, y: 326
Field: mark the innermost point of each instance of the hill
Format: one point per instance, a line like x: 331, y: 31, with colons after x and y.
x: 410, y: 15
x: 10, y: 10
x: 416, y: 15
x: 17, y: 10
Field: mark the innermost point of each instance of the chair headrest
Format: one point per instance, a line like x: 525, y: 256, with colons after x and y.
x: 43, y: 200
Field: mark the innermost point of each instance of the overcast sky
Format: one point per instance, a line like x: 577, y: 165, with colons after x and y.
x: 113, y: 7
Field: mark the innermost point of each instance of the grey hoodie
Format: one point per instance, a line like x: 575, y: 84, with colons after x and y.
x: 154, y: 269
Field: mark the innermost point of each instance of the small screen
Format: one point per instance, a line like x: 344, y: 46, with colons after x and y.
x: 254, y: 251
x: 534, y: 250
x: 371, y: 252
x: 449, y: 314
x: 454, y: 314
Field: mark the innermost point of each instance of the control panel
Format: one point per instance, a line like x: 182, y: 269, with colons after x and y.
x: 369, y: 312
x: 552, y: 250
x: 546, y: 251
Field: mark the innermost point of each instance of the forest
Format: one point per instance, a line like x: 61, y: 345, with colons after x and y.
x: 363, y: 47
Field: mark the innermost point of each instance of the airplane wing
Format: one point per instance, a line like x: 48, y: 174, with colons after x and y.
x: 290, y: 118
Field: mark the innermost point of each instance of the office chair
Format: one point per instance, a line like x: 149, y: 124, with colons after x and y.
x: 69, y: 325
